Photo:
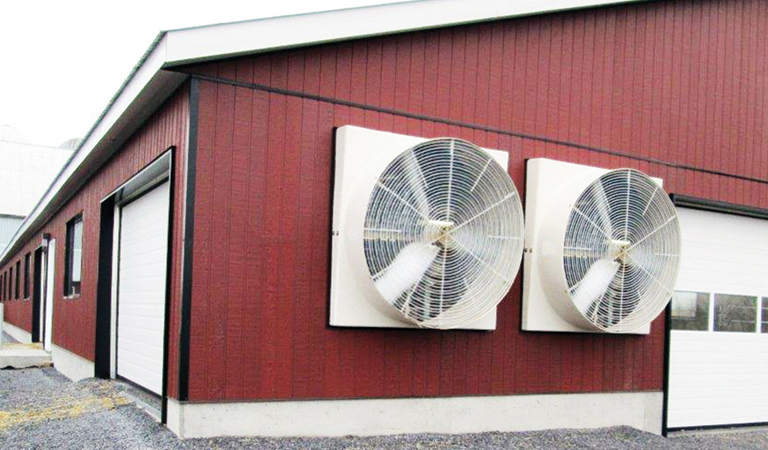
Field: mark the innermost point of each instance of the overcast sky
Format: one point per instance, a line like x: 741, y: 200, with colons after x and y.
x: 61, y: 61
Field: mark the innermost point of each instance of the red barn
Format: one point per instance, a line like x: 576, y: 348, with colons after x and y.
x: 187, y: 246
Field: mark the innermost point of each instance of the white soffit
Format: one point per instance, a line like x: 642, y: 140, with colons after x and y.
x: 148, y: 85
x: 253, y: 36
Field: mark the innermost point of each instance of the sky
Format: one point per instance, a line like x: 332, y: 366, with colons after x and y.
x: 62, y: 61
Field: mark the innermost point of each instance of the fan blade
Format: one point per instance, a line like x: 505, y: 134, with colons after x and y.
x: 416, y: 181
x: 406, y: 270
x: 602, y: 210
x: 595, y: 283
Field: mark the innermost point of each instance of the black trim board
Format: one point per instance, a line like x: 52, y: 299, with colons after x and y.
x: 168, y: 276
x: 102, y: 352
x: 703, y: 204
x: 665, y: 378
x: 189, y: 228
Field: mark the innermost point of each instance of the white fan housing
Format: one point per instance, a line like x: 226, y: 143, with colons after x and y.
x: 602, y: 249
x: 426, y: 233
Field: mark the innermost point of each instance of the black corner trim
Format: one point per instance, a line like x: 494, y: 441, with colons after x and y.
x: 103, y: 347
x: 189, y: 229
x: 169, y: 262
x: 703, y: 204
x: 667, y: 355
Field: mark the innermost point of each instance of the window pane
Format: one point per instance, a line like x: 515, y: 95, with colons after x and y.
x: 764, y: 325
x: 77, y: 250
x: 690, y: 311
x: 735, y: 313
x: 26, y: 275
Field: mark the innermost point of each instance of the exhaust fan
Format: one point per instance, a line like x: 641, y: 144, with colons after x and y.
x: 426, y: 233
x: 602, y: 249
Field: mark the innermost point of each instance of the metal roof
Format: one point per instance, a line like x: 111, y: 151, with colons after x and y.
x: 150, y: 84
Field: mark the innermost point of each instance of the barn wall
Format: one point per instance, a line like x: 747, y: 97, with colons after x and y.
x: 675, y: 89
x: 74, y: 320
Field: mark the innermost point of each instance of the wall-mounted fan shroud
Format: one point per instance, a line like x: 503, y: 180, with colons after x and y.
x: 604, y: 249
x: 621, y: 251
x: 443, y: 233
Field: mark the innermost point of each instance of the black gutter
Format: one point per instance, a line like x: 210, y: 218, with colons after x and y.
x: 704, y: 204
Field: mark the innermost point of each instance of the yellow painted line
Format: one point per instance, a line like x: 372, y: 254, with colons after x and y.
x: 64, y: 408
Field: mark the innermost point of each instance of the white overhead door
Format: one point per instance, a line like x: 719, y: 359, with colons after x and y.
x: 141, y: 289
x: 718, y: 372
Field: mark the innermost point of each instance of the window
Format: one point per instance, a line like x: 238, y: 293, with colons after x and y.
x: 2, y: 289
x: 736, y: 313
x: 10, y: 283
x: 18, y: 279
x: 764, y: 320
x: 690, y: 311
x: 26, y: 275
x: 74, y: 255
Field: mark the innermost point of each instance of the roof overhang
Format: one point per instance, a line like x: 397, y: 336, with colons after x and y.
x: 150, y: 83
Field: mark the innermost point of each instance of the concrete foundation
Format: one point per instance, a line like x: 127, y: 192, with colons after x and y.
x: 72, y: 366
x: 17, y: 333
x: 641, y: 410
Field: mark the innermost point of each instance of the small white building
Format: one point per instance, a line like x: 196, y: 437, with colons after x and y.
x: 26, y: 171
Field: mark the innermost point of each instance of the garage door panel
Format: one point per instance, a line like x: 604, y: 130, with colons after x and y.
x: 142, y: 310
x: 152, y: 280
x: 141, y: 288
x: 141, y: 250
x: 138, y: 371
x: 718, y: 377
x: 699, y: 417
x: 141, y: 347
x: 133, y: 325
x: 727, y: 392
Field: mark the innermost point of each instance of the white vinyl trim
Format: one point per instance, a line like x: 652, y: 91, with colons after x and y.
x: 50, y: 275
x: 216, y: 41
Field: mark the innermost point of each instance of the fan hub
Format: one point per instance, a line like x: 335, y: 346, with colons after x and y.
x: 439, y: 232
x: 619, y: 247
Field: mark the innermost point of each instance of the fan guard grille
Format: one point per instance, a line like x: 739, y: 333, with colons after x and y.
x: 443, y: 233
x: 622, y: 251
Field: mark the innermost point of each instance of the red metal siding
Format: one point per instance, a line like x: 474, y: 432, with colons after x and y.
x: 677, y: 83
x: 17, y: 311
x: 74, y: 319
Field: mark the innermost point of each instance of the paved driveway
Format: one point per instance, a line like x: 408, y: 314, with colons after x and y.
x: 39, y: 408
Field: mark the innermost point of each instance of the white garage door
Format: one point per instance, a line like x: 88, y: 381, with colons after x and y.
x: 141, y: 289
x: 718, y: 371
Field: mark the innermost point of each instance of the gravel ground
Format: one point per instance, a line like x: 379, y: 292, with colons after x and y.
x: 39, y: 408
